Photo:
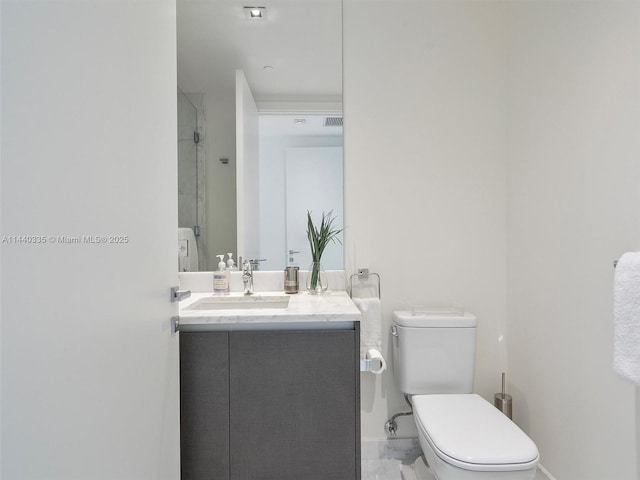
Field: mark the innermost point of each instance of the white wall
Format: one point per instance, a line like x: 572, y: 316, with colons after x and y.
x: 425, y: 174
x: 487, y: 121
x: 574, y: 177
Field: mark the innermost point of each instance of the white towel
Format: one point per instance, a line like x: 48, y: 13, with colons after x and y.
x: 626, y: 310
x: 365, y: 288
x: 370, y: 325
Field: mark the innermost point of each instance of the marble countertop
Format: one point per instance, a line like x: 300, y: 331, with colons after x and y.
x: 304, y: 308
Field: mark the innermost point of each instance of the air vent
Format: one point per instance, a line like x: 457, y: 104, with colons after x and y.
x: 333, y: 122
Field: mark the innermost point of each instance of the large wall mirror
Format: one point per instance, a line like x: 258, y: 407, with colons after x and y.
x: 259, y: 129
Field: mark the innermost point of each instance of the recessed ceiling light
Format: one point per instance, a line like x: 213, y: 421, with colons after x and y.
x: 255, y: 13
x: 299, y: 121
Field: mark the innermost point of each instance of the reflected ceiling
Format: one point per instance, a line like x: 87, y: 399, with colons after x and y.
x: 295, y: 54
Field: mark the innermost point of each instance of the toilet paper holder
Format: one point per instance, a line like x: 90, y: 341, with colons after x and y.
x: 365, y: 365
x: 368, y: 364
x: 375, y: 365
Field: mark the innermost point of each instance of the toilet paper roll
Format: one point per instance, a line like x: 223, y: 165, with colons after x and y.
x: 377, y: 361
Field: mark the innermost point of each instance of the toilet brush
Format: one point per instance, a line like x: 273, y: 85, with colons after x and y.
x: 502, y: 401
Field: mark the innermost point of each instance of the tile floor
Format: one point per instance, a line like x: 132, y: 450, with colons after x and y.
x: 381, y: 469
x: 383, y: 461
x: 389, y: 469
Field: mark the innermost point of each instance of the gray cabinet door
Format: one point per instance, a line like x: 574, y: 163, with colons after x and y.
x: 204, y: 405
x: 294, y: 405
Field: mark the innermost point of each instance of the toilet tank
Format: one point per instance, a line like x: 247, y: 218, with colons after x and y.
x: 434, y: 352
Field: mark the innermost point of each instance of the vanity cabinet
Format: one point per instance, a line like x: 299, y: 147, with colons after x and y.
x: 204, y: 405
x: 276, y: 404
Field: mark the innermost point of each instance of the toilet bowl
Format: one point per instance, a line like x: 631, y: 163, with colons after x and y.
x: 462, y: 436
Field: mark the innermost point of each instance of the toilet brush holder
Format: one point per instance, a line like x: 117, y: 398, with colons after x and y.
x: 502, y: 401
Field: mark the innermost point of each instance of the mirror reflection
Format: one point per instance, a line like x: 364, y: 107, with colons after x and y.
x: 265, y: 98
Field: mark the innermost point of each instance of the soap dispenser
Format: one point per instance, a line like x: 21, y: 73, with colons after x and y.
x: 231, y: 264
x: 221, y: 277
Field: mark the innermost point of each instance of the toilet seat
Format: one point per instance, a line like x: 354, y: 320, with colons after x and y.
x: 466, y: 431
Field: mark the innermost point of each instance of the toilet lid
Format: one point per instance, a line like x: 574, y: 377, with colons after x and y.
x: 468, y: 432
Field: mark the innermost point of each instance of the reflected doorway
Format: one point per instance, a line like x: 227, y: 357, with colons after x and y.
x: 301, y: 168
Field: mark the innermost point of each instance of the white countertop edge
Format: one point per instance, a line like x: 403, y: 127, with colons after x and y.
x: 332, y: 306
x: 255, y: 326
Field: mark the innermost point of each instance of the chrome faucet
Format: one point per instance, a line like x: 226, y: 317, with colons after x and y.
x: 247, y: 277
x: 255, y: 263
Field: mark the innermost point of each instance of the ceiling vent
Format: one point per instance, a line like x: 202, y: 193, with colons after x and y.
x: 333, y: 122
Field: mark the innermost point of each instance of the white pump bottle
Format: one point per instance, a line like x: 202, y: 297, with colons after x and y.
x: 221, y: 277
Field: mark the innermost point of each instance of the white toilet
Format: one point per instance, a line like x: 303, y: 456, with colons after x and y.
x: 462, y: 436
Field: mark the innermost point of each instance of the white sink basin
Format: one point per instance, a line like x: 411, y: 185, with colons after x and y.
x: 245, y: 302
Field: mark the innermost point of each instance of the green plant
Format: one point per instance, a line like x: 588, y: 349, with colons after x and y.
x: 319, y: 238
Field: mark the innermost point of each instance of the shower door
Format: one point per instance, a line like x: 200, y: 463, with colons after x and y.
x: 190, y: 185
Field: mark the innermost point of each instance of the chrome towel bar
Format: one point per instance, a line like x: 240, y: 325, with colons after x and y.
x: 363, y: 274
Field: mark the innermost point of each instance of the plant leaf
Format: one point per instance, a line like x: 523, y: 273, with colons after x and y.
x: 320, y: 238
